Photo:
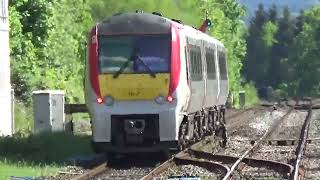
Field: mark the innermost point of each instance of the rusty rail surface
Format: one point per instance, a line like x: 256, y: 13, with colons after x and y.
x: 256, y: 145
x: 298, y: 173
x: 92, y: 173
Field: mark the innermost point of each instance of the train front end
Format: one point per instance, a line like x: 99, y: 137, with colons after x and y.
x: 132, y: 73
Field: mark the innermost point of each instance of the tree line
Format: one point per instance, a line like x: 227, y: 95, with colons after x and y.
x: 283, y: 51
x: 48, y: 37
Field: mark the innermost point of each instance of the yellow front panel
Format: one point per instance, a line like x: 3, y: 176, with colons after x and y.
x: 134, y: 86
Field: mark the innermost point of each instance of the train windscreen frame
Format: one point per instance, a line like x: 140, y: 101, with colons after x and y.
x: 134, y: 54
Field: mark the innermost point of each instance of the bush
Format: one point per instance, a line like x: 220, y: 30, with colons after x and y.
x: 23, y: 118
x: 251, y: 94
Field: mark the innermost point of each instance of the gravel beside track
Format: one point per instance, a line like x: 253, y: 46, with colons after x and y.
x: 260, y: 173
x: 291, y: 126
x: 283, y: 154
x: 134, y: 173
x: 131, y: 167
x: 188, y: 170
x: 68, y: 172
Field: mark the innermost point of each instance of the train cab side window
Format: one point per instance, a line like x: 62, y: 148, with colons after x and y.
x: 186, y: 58
x: 222, y: 66
x: 211, y: 67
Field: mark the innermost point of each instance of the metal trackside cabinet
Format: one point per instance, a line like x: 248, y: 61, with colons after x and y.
x: 48, y: 109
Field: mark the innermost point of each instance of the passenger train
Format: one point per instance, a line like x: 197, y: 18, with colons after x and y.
x: 153, y: 84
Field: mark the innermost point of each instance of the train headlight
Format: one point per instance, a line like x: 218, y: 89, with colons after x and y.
x: 108, y: 100
x: 160, y: 99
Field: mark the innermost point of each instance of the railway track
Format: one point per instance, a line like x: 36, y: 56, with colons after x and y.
x: 215, y: 166
x: 299, y: 172
x: 311, y: 158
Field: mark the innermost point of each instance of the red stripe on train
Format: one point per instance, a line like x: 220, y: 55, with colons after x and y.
x: 93, y: 61
x: 175, y: 59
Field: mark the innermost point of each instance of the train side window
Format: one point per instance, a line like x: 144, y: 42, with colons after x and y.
x: 196, y: 63
x: 199, y: 63
x: 193, y: 63
x: 211, y: 67
x: 222, y: 65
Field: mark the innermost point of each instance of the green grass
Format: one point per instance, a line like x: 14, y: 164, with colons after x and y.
x: 44, y: 148
x: 39, y: 155
x: 21, y: 169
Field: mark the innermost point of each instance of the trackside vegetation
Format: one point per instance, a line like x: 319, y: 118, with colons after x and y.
x: 283, y: 51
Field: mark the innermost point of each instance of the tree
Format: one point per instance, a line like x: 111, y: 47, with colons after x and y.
x: 256, y: 60
x: 273, y: 14
x: 45, y: 46
x: 305, y: 53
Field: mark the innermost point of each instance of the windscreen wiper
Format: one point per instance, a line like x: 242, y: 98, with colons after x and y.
x: 115, y: 75
x: 152, y: 74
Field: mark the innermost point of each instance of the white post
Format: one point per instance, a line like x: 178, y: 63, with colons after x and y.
x: 6, y: 125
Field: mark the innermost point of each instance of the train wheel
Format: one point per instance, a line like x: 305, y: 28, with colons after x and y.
x: 182, y: 143
x: 197, y: 128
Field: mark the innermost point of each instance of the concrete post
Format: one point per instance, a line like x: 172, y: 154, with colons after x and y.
x: 6, y: 125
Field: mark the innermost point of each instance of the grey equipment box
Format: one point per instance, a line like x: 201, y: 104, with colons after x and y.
x: 48, y: 111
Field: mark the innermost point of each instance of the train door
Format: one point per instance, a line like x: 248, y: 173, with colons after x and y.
x: 196, y: 74
x: 224, y: 86
x: 212, y: 81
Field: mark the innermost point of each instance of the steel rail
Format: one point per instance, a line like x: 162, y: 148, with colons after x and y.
x: 94, y: 172
x: 256, y: 145
x: 158, y: 170
x: 302, y: 143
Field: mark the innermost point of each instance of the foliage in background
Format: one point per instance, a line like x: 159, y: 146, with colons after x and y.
x: 305, y: 53
x: 23, y: 118
x: 283, y: 52
x: 47, y: 45
x: 185, y: 10
x: 251, y: 97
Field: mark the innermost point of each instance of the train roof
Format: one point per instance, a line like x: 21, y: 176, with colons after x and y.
x: 146, y: 23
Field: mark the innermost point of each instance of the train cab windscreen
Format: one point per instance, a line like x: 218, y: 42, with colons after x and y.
x: 138, y: 54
